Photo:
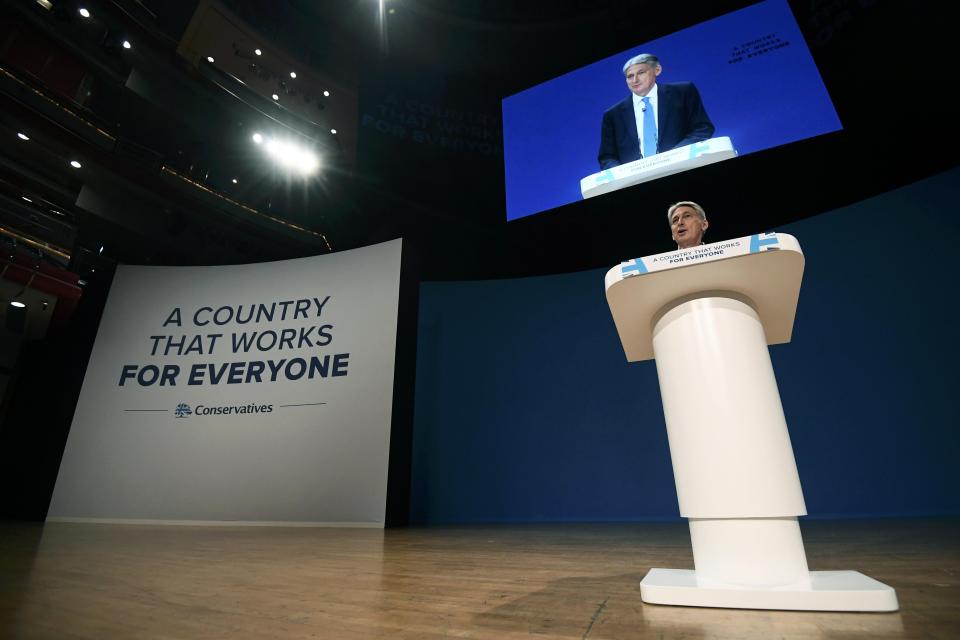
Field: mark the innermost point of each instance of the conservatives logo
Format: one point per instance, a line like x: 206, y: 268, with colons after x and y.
x: 183, y: 410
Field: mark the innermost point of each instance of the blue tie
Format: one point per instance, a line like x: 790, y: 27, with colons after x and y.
x: 649, y: 129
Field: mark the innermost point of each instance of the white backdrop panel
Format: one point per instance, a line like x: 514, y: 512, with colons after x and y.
x: 301, y: 437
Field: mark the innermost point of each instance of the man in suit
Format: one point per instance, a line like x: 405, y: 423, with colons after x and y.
x: 654, y: 118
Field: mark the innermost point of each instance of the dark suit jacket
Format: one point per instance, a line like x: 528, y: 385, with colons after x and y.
x: 681, y: 120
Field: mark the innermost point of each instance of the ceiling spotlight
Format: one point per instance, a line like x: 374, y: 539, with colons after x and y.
x: 293, y: 74
x: 126, y: 44
x: 326, y: 94
x: 333, y: 131
x: 258, y: 52
x: 81, y: 282
x: 234, y: 181
x: 101, y: 249
x: 209, y: 58
x: 16, y: 320
x: 75, y: 164
x: 23, y: 136
x: 306, y: 163
x: 257, y: 138
x: 309, y: 164
x: 84, y: 12
x: 292, y: 157
x: 26, y: 198
x: 276, y: 97
x: 274, y: 148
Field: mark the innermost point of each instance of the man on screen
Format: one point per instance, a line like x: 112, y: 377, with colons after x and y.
x: 688, y: 223
x: 655, y: 118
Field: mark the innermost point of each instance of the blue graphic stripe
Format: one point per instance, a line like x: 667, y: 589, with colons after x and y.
x: 757, y: 243
x: 635, y: 265
x: 699, y: 148
x: 605, y: 176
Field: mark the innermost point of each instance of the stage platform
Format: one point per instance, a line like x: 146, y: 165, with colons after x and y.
x: 102, y: 581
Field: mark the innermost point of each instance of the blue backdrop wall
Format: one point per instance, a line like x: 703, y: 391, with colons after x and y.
x: 527, y: 411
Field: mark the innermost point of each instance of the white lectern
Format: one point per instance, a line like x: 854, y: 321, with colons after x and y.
x: 707, y: 315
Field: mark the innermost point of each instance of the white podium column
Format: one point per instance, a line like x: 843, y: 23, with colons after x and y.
x: 761, y: 552
x: 733, y: 463
x: 731, y: 453
x: 706, y: 315
x: 732, y: 460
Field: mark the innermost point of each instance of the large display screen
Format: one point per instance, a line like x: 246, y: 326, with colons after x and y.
x: 749, y: 73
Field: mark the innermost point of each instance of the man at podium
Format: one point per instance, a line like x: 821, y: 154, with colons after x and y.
x: 688, y: 223
x: 654, y: 118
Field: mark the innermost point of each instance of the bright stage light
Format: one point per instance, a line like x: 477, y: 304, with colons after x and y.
x: 84, y: 12
x: 257, y: 138
x: 292, y: 157
x: 308, y: 163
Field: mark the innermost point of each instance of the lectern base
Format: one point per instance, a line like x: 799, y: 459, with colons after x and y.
x: 826, y: 591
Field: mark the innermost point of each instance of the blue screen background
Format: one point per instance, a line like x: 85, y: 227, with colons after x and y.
x: 551, y: 132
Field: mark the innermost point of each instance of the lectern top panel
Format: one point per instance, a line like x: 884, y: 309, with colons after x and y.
x: 659, y: 165
x: 766, y: 268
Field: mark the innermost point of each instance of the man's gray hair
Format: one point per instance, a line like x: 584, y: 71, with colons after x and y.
x: 643, y: 58
x: 685, y: 203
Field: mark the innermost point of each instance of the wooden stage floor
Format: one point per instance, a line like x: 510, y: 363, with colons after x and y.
x: 102, y: 581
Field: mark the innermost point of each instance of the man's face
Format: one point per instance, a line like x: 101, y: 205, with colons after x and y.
x: 641, y: 77
x: 687, y: 227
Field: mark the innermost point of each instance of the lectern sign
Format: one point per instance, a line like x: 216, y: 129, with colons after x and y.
x: 726, y: 249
